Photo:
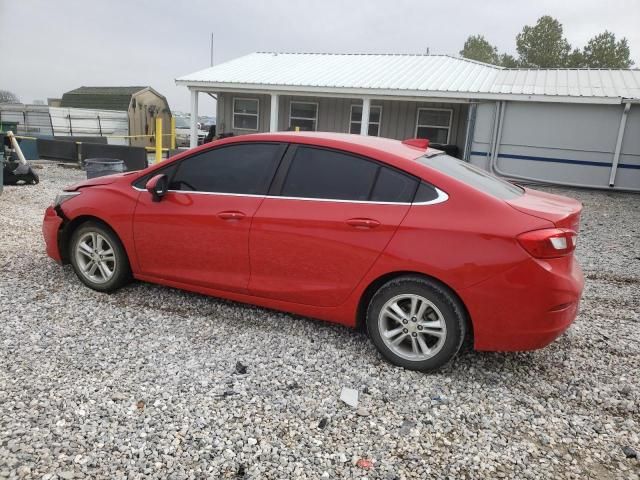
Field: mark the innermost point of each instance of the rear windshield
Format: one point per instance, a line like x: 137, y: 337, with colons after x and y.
x: 473, y: 176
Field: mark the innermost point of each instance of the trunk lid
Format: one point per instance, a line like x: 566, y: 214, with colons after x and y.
x: 564, y: 212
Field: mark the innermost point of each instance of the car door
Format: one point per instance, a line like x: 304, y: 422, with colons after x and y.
x: 328, y: 218
x: 199, y: 232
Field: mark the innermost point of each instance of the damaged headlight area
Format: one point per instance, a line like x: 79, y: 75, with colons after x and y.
x: 63, y: 197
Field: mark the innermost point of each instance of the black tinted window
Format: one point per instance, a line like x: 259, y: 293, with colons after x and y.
x: 473, y: 176
x: 168, y: 171
x: 393, y: 186
x: 317, y: 173
x: 246, y: 169
x: 425, y: 193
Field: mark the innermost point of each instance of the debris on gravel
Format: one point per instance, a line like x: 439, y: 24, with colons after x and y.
x: 241, y: 369
x: 630, y: 452
x: 364, y: 463
x: 349, y: 396
x: 144, y: 383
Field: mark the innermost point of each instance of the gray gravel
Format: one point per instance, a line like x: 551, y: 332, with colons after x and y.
x: 145, y: 383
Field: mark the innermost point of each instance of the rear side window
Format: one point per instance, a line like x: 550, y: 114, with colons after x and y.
x: 243, y: 169
x: 472, y: 176
x: 394, y: 186
x: 426, y: 193
x: 318, y: 173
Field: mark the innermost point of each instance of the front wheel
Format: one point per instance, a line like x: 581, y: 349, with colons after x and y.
x: 98, y: 257
x: 416, y: 323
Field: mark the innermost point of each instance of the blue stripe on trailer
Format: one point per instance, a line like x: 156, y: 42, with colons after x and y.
x: 558, y: 160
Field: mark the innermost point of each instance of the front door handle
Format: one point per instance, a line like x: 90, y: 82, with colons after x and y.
x: 231, y: 215
x: 363, y: 222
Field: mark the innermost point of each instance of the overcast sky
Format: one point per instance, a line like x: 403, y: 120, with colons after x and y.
x: 52, y: 46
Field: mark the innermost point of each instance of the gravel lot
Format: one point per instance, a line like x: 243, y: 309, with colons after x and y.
x: 144, y: 383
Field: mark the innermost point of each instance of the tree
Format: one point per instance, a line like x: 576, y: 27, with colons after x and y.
x: 543, y: 45
x: 8, y: 97
x: 478, y: 48
x: 602, y: 51
x: 575, y: 59
x: 508, y: 61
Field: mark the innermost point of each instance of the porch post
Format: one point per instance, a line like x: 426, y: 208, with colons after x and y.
x: 193, y: 141
x: 273, y: 119
x: 364, y: 121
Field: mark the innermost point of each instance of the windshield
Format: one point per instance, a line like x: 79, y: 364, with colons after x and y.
x: 472, y: 176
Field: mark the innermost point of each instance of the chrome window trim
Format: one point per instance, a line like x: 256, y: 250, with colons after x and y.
x: 442, y: 197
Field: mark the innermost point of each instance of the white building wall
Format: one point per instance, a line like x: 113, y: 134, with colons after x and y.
x: 571, y: 144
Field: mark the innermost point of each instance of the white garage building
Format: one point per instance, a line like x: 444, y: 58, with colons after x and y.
x: 564, y: 126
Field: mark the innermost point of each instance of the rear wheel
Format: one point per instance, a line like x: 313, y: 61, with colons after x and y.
x: 416, y: 323
x: 98, y: 257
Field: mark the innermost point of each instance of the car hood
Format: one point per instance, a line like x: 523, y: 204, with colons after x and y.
x: 93, y: 182
x: 564, y: 212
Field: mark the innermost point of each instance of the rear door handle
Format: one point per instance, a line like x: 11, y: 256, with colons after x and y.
x: 231, y: 215
x: 363, y: 222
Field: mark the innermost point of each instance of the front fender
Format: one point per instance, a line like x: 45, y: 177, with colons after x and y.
x: 113, y: 205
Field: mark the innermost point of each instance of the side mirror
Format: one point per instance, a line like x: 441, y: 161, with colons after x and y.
x: 158, y: 186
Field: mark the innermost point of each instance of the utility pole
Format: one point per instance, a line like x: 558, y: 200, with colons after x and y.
x: 211, y: 50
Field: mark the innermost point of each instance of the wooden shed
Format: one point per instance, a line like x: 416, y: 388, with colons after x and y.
x: 142, y: 104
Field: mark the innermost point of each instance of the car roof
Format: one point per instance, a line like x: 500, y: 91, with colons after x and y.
x: 389, y: 151
x: 374, y: 146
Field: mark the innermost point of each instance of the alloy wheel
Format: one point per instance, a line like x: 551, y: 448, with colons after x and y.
x: 412, y: 327
x: 95, y: 257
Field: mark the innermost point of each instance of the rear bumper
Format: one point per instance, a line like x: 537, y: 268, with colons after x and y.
x: 527, y: 307
x: 50, y: 230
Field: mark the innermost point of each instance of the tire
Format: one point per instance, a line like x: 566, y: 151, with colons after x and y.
x: 92, y: 265
x: 422, y: 334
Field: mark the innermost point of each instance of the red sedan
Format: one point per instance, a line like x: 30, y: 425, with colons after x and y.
x: 421, y: 248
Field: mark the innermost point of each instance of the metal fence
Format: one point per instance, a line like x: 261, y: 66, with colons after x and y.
x: 31, y: 120
x: 34, y: 120
x: 86, y: 123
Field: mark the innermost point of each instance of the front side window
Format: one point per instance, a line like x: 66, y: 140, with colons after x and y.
x: 303, y: 115
x: 245, y: 113
x: 327, y: 174
x: 434, y: 124
x: 245, y: 169
x: 375, y: 117
x: 168, y: 170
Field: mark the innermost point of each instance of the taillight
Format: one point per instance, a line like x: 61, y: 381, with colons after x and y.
x: 549, y: 242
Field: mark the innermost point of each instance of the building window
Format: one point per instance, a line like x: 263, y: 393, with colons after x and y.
x: 245, y: 113
x: 375, y: 117
x: 303, y: 115
x: 434, y: 124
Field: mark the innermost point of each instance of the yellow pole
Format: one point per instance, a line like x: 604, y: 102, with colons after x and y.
x: 297, y: 129
x: 173, y: 132
x: 158, y: 139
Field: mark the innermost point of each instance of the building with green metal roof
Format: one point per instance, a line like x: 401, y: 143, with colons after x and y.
x: 142, y: 104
